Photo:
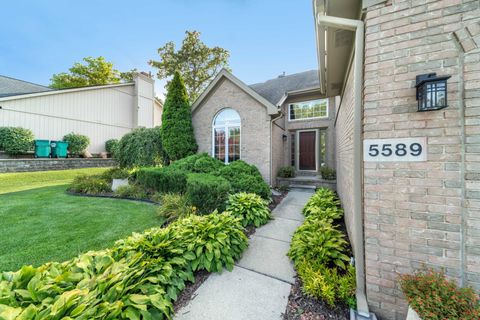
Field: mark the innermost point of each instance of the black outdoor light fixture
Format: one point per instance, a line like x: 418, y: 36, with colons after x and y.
x: 431, y: 92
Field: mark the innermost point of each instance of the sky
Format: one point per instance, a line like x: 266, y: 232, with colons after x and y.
x: 39, y: 38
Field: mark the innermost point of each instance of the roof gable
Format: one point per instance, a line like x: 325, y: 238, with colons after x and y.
x: 224, y: 74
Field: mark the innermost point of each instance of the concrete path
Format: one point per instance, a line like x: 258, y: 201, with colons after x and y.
x: 259, y: 285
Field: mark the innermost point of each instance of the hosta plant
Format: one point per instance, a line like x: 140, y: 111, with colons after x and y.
x: 318, y: 240
x: 324, y: 198
x: 250, y: 208
x: 138, y: 278
x: 434, y: 297
x: 329, y: 284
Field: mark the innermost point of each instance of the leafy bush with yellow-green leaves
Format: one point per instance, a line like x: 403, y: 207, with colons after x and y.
x: 250, y: 208
x: 138, y: 278
x: 319, y: 252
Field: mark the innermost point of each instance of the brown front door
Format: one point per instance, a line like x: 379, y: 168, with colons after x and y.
x: 307, y: 157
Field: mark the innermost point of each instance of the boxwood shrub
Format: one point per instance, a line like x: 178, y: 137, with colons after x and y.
x: 111, y: 145
x: 16, y: 140
x: 207, y: 192
x: 166, y: 179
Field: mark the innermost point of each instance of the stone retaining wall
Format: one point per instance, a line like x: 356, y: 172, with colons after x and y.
x: 24, y: 165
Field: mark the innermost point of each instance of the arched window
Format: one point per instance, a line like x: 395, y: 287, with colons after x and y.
x: 226, y: 135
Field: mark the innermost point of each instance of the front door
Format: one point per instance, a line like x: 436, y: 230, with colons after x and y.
x: 307, y: 150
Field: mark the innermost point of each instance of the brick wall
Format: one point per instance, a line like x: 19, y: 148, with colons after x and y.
x: 424, y: 212
x: 24, y: 165
x: 344, y: 154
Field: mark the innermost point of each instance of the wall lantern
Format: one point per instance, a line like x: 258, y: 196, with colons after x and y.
x: 284, y: 137
x: 431, y: 92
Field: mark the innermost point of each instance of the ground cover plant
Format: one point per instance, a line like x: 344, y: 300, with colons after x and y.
x: 434, y: 297
x: 138, y: 278
x: 319, y: 251
x: 40, y: 222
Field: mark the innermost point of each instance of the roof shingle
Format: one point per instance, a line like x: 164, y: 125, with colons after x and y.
x: 273, y: 90
x: 10, y: 87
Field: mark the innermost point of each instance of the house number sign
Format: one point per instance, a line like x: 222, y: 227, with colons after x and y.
x: 394, y: 150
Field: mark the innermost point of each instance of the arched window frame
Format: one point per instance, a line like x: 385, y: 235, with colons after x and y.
x: 226, y: 127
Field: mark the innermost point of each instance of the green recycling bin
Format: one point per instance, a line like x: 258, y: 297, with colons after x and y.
x: 59, y: 149
x: 42, y: 148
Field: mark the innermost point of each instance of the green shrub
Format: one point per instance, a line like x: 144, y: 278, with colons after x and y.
x: 174, y: 206
x: 77, y: 143
x: 177, y: 129
x: 138, y: 278
x: 250, y: 208
x: 111, y: 145
x: 207, y: 164
x: 16, y: 140
x: 245, y: 178
x: 163, y: 180
x: 140, y: 148
x: 322, y: 282
x: 286, y: 172
x: 328, y: 173
x: 207, y: 192
x: 317, y: 240
x: 115, y: 173
x: 132, y: 191
x: 187, y: 164
x: 434, y: 297
x: 90, y: 185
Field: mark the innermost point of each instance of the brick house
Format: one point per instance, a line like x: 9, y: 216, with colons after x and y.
x: 402, y: 212
x: 281, y: 122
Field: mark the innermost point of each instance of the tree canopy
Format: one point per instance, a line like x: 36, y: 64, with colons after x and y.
x: 197, y: 63
x: 93, y: 71
x: 178, y: 138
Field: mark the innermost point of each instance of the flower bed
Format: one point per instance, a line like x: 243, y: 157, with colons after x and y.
x: 139, y: 277
x: 320, y: 253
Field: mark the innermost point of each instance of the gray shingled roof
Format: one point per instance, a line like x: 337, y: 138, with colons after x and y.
x: 273, y: 90
x: 10, y: 87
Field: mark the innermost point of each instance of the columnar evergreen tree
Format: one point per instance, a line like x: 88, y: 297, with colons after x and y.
x: 177, y: 130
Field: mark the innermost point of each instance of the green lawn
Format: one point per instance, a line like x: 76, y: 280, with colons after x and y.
x: 39, y: 222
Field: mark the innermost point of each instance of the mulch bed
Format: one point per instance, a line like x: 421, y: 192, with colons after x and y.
x: 187, y: 294
x: 301, y: 307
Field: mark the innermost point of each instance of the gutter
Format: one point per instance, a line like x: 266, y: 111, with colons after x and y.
x: 272, y: 122
x: 359, y: 252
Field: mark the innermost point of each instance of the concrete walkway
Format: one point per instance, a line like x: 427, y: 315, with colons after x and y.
x: 259, y: 285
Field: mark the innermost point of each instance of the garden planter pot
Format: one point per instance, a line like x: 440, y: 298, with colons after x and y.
x: 412, y: 314
x: 119, y: 183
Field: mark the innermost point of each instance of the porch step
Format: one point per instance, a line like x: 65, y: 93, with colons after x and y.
x: 310, y: 182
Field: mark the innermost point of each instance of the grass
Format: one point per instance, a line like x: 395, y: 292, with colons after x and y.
x: 39, y: 222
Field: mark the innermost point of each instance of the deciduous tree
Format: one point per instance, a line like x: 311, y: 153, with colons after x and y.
x: 197, y: 63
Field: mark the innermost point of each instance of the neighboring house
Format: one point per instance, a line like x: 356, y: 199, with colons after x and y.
x: 281, y: 122
x: 409, y: 181
x: 11, y: 87
x: 99, y: 112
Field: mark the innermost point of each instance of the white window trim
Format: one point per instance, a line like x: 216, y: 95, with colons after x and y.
x: 227, y: 135
x: 306, y: 119
x: 297, y: 149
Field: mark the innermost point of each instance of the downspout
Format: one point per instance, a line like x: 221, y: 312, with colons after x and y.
x: 358, y: 27
x: 271, y: 145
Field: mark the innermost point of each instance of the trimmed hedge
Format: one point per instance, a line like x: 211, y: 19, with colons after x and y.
x: 207, y: 192
x: 138, y: 278
x: 16, y: 140
x: 111, y: 145
x: 167, y: 179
